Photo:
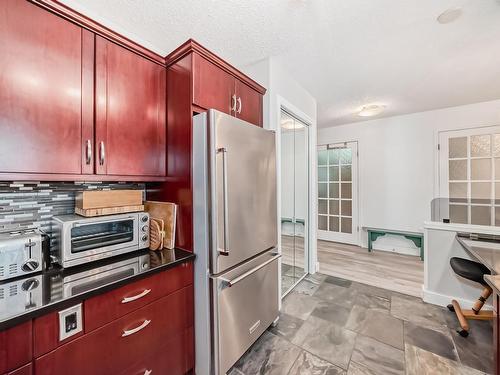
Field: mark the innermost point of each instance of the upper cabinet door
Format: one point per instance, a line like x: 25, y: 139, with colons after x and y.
x: 212, y: 86
x: 45, y: 98
x: 130, y: 113
x: 249, y: 104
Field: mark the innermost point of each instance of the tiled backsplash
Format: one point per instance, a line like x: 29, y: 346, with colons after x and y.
x: 27, y: 204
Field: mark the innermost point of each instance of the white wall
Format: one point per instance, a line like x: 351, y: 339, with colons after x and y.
x: 397, y: 163
x: 284, y: 91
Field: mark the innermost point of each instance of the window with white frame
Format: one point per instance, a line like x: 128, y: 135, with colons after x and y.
x: 470, y: 175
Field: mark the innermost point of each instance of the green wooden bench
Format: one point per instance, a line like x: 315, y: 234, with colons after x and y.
x: 416, y: 237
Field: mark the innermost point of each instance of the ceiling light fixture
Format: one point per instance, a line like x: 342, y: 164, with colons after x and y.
x: 449, y: 15
x: 371, y: 110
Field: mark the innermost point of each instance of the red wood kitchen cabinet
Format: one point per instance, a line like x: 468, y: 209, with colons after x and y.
x: 77, y: 101
x: 248, y: 105
x: 215, y: 87
x: 45, y: 91
x: 120, y: 344
x: 130, y: 112
x: 212, y: 87
x: 16, y: 347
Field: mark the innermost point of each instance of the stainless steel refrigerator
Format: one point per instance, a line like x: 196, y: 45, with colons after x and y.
x: 235, y: 238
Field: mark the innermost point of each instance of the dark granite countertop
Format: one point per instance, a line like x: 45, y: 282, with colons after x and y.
x: 26, y: 298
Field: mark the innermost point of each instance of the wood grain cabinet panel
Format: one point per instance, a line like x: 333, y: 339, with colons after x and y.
x: 15, y: 347
x: 249, y: 104
x: 42, y: 99
x: 212, y: 86
x: 110, y: 306
x: 25, y: 370
x: 130, y: 112
x: 118, y: 345
x: 171, y: 358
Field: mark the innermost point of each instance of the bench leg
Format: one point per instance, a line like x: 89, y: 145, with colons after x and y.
x: 369, y: 241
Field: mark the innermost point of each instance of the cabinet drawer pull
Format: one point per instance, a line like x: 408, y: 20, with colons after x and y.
x: 88, y: 152
x: 240, y: 105
x: 136, y: 329
x: 233, y: 103
x: 148, y: 372
x: 102, y: 153
x: 145, y: 292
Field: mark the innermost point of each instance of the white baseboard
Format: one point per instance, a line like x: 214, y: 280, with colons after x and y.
x: 444, y: 300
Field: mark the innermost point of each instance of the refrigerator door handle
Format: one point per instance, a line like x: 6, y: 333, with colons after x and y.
x: 236, y: 280
x: 223, y: 151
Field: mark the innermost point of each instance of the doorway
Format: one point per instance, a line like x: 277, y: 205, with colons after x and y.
x: 294, y: 200
x: 338, y: 193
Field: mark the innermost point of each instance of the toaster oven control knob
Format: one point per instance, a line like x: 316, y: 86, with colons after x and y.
x: 145, y: 228
x: 30, y: 265
x: 144, y: 219
x: 144, y: 238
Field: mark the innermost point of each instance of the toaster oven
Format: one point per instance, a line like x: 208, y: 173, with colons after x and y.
x: 80, y: 240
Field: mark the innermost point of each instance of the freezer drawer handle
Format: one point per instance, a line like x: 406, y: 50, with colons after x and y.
x: 249, y: 272
x: 223, y: 151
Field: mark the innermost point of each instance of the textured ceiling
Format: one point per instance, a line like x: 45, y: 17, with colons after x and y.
x: 345, y: 53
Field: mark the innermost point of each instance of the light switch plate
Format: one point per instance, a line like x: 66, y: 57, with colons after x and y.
x: 73, y: 314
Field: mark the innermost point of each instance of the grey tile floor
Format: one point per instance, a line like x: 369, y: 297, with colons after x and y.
x: 332, y: 326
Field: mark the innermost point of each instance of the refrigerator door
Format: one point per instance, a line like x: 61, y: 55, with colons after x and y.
x: 243, y: 190
x: 246, y: 303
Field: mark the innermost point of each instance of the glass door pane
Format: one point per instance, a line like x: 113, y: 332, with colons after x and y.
x: 337, y: 213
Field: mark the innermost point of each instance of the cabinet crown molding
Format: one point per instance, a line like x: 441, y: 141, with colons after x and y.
x: 192, y: 45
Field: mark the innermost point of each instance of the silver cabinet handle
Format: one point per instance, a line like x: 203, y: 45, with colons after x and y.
x: 148, y: 372
x: 236, y: 280
x: 136, y: 329
x: 223, y: 151
x: 88, y: 152
x: 102, y: 153
x: 233, y: 103
x: 240, y: 105
x: 136, y: 297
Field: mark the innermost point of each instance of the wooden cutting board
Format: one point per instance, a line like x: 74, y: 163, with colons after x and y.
x: 167, y: 212
x: 108, y: 198
x: 91, y: 212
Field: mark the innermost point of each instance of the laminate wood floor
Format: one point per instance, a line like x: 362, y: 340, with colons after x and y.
x: 396, y: 272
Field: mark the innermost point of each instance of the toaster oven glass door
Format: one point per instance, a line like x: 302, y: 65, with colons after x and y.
x: 86, y: 237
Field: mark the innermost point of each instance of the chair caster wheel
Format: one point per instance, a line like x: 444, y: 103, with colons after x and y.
x: 463, y: 332
x: 451, y: 308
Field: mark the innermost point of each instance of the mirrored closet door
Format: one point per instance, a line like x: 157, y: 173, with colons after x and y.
x: 294, y: 200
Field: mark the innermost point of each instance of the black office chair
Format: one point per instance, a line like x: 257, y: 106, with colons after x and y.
x: 473, y: 271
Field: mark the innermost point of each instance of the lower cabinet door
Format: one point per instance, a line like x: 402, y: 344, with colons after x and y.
x: 122, y: 343
x: 16, y: 347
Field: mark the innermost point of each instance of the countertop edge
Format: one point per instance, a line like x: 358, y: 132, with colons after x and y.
x: 71, y: 301
x: 454, y: 227
x: 475, y: 254
x: 494, y: 282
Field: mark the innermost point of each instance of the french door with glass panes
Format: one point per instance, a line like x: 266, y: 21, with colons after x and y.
x: 469, y: 175
x: 338, y: 192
